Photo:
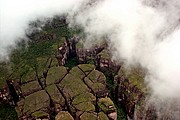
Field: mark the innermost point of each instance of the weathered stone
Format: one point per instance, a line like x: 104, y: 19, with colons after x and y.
x: 72, y: 86
x: 42, y: 66
x: 97, y: 82
x: 77, y: 72
x: 84, y: 97
x: 63, y: 53
x: 87, y: 68
x: 19, y: 108
x: 55, y: 75
x: 85, y: 106
x: 63, y: 115
x: 130, y: 88
x: 102, y: 116
x: 40, y: 115
x: 97, y: 76
x: 29, y: 76
x: 36, y: 101
x: 89, y: 116
x: 30, y: 88
x: 106, y: 105
x: 55, y: 96
x: 96, y: 87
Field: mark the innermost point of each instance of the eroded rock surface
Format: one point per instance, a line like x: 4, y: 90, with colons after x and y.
x: 42, y: 87
x: 76, y: 94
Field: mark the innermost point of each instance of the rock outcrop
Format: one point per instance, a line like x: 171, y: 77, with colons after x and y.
x: 130, y: 94
x: 75, y: 94
x: 46, y: 89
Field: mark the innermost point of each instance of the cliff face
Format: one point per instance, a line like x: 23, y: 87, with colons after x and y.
x: 129, y: 90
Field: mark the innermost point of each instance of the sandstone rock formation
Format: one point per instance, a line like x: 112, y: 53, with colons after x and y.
x: 45, y: 89
x: 80, y: 92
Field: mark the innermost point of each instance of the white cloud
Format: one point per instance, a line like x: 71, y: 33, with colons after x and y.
x: 142, y: 32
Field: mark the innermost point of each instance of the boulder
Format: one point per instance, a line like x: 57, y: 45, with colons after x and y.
x: 64, y: 115
x: 89, y: 116
x: 29, y: 88
x: 55, y: 75
x: 36, y: 101
x: 56, y: 97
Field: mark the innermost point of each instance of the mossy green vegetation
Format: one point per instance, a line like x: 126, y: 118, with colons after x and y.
x: 87, y: 68
x: 36, y: 101
x: 5, y: 71
x: 106, y: 104
x: 71, y: 62
x: 104, y: 54
x: 134, y: 75
x: 39, y: 114
x: 89, y: 116
x: 77, y: 72
x: 30, y: 87
x: 120, y: 113
x: 96, y: 80
x: 33, y: 63
x: 85, y: 106
x: 103, y: 116
x: 84, y: 97
x: 7, y: 112
x: 55, y: 74
x: 84, y: 102
x: 72, y: 86
x: 29, y: 57
x: 97, y: 76
x: 55, y: 95
x: 64, y: 115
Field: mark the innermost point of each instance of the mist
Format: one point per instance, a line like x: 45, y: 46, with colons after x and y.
x: 143, y: 32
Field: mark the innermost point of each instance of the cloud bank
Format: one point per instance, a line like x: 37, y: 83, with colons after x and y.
x: 144, y: 32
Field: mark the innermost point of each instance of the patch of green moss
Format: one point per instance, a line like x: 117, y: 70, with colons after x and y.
x: 88, y: 116
x: 77, y: 72
x: 4, y: 73
x: 19, y: 108
x: 39, y: 114
x: 30, y: 87
x: 33, y: 57
x: 72, y: 86
x: 55, y: 94
x: 55, y: 74
x: 102, y: 116
x: 87, y: 68
x: 84, y: 97
x: 41, y: 65
x: 36, y: 101
x: 135, y: 76
x: 104, y: 54
x: 97, y: 76
x: 64, y: 115
x: 96, y: 87
x: 71, y: 62
x: 106, y: 104
x: 28, y: 76
x: 85, y: 106
x: 121, y: 115
x: 7, y: 112
x: 88, y: 82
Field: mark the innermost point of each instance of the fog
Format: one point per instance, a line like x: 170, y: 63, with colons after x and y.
x: 143, y: 32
